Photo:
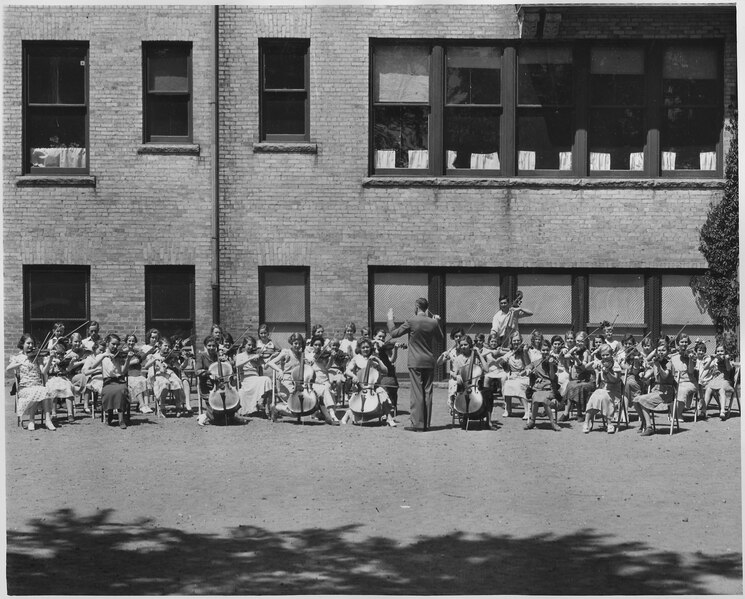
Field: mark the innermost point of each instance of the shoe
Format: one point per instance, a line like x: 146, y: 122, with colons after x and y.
x: 50, y: 425
x: 586, y: 427
x: 273, y: 414
x: 556, y: 427
x: 31, y: 426
x: 526, y: 417
x: 530, y: 425
x: 563, y: 418
x: 87, y: 410
x: 505, y: 414
x: 703, y: 416
x: 202, y: 420
x: 145, y: 410
x: 611, y: 429
x: 391, y: 422
x: 641, y: 429
x: 70, y: 420
x: 580, y: 418
x: 122, y: 422
x: 647, y: 432
x: 723, y: 416
x: 415, y: 430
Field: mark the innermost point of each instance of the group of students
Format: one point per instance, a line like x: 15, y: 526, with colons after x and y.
x: 593, y: 375
x: 122, y: 373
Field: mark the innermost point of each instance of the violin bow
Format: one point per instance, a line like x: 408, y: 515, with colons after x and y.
x: 38, y: 351
x: 75, y: 330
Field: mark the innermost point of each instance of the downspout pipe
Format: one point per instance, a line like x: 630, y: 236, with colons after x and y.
x: 215, y: 225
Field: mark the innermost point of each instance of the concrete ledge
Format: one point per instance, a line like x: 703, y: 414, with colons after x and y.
x: 285, y: 148
x: 56, y: 181
x: 531, y: 183
x: 181, y: 149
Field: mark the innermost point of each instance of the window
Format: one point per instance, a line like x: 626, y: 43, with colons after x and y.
x: 284, y: 100
x: 681, y: 312
x: 55, y: 108
x: 545, y: 111
x: 632, y: 109
x: 549, y: 297
x: 284, y: 298
x: 167, y: 87
x: 619, y: 298
x: 55, y: 294
x: 169, y: 300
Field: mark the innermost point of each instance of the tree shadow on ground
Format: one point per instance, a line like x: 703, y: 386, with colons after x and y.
x: 69, y: 554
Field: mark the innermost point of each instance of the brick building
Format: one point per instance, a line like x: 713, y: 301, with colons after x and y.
x: 367, y: 155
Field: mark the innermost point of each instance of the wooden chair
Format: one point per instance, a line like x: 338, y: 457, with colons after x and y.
x: 19, y: 417
x: 672, y: 414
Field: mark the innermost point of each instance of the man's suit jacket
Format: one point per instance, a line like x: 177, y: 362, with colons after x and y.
x: 423, y: 333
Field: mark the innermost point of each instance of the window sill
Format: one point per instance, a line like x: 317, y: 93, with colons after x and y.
x: 526, y: 182
x: 181, y: 149
x: 56, y: 181
x: 267, y: 147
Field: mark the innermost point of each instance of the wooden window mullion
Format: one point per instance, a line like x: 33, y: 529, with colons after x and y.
x: 507, y: 149
x: 653, y: 118
x: 437, y: 109
x: 580, y: 154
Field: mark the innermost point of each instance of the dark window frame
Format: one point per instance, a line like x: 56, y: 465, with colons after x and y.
x: 31, y: 323
x: 263, y: 270
x: 651, y: 111
x: 161, y: 323
x: 147, y: 93
x: 267, y: 44
x: 29, y: 47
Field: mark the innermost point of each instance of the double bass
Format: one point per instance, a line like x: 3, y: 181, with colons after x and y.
x: 365, y: 403
x: 471, y: 401
x: 224, y: 398
x: 302, y: 400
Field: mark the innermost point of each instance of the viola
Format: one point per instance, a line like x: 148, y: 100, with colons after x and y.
x: 365, y: 402
x: 470, y: 401
x: 303, y: 399
x: 224, y: 398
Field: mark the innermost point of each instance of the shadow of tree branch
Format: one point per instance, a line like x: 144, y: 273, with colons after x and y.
x: 70, y: 555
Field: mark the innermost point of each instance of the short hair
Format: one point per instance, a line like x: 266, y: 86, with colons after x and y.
x: 363, y: 341
x: 422, y: 304
x: 130, y: 335
x: 209, y: 339
x: 556, y: 338
x: 581, y: 335
x: 504, y: 298
x: 480, y: 337
x: 363, y: 330
x: 76, y: 337
x: 682, y: 336
x: 315, y: 328
x: 167, y: 340
x: 629, y: 338
x: 570, y: 332
x: 24, y: 338
x: 111, y: 336
x: 700, y: 345
x: 60, y: 347
x: 455, y: 331
x: 535, y: 334
x: 352, y: 327
x: 263, y: 327
x: 605, y: 324
x: 94, y: 323
x: 296, y: 337
x: 150, y: 333
x: 380, y: 330
x: 58, y: 325
x: 467, y: 339
x: 248, y: 338
x: 315, y: 338
x: 605, y: 348
x: 545, y: 343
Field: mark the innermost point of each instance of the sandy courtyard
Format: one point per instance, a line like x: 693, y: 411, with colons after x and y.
x: 169, y: 507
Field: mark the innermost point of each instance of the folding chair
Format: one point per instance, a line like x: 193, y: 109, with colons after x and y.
x: 672, y: 414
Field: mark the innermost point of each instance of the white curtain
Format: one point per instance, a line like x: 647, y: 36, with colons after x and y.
x: 599, y: 161
x: 385, y: 158
x: 636, y: 161
x: 402, y: 74
x: 485, y: 161
x: 565, y: 161
x: 418, y: 158
x: 708, y: 161
x: 59, y: 157
x: 451, y: 158
x: 668, y: 161
x: 526, y: 160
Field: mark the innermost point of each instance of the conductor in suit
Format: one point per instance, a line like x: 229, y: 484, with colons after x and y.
x: 424, y: 332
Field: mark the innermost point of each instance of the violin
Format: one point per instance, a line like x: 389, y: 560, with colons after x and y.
x: 303, y: 399
x: 224, y: 398
x: 365, y: 402
x: 471, y: 400
x: 518, y: 299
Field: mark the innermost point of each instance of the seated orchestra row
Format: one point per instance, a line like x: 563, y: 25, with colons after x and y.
x: 593, y: 375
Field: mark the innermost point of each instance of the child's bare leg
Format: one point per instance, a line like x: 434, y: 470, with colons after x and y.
x: 70, y: 409
x: 526, y: 408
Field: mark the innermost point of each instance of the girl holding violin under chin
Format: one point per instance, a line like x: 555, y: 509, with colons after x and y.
x: 608, y: 393
x: 31, y: 392
x: 166, y: 377
x: 136, y: 381
x: 114, y: 366
x: 576, y: 360
x: 356, y: 368
x: 319, y: 361
x: 93, y: 373
x: 255, y: 389
x: 58, y: 384
x: 545, y: 385
x: 73, y: 362
x: 663, y: 387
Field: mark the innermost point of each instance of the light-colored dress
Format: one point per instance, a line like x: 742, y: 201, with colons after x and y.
x: 254, y: 386
x: 31, y: 389
x: 516, y: 384
x: 609, y: 392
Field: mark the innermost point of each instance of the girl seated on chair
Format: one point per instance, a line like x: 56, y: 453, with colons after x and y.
x: 581, y: 382
x: 136, y: 380
x: 166, y: 377
x: 545, y: 385
x: 255, y: 389
x: 465, y: 350
x: 387, y: 351
x: 31, y: 392
x: 358, y: 364
x: 74, y: 361
x: 663, y: 387
x: 608, y: 394
x: 515, y: 385
x: 114, y: 365
x: 93, y: 376
x: 722, y: 382
x: 58, y: 384
x: 284, y: 363
x: 319, y: 362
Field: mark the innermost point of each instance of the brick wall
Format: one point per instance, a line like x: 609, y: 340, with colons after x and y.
x: 316, y: 209
x: 144, y: 209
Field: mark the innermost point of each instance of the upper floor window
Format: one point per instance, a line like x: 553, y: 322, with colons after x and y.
x: 55, y: 107
x: 168, y: 92
x: 284, y: 99
x: 632, y: 109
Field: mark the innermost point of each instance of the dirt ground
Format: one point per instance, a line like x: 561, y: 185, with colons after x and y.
x: 168, y: 507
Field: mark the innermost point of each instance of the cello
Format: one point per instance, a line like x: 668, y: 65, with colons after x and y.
x: 224, y: 398
x: 470, y: 402
x: 365, y: 403
x: 302, y: 399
